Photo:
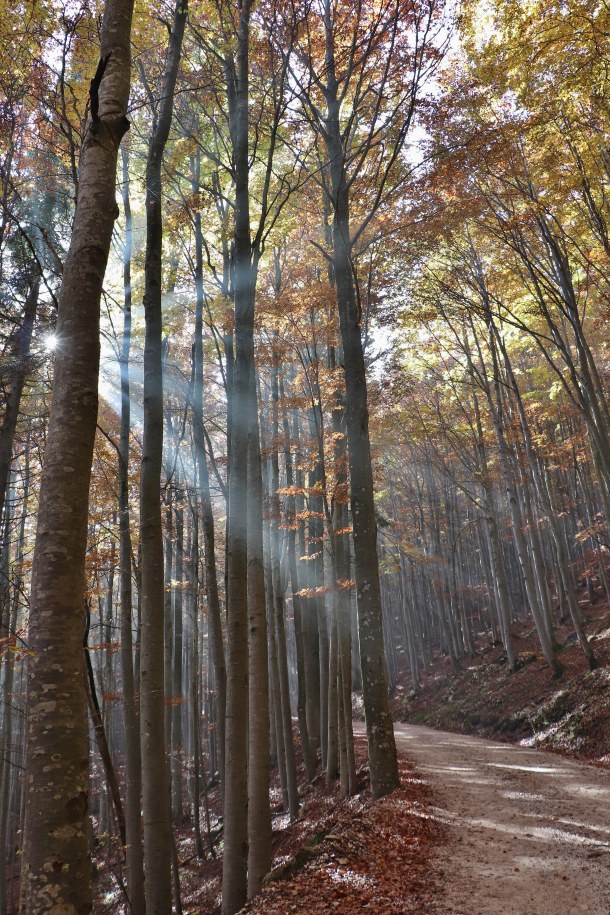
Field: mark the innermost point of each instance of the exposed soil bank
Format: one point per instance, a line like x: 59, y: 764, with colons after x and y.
x: 571, y: 715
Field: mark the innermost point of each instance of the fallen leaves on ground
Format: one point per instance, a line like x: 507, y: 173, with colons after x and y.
x: 367, y: 857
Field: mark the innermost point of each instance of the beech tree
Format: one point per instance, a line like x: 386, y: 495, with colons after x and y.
x: 375, y: 79
x: 155, y: 774
x: 56, y: 869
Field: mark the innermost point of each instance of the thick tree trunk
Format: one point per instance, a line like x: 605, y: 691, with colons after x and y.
x: 56, y: 871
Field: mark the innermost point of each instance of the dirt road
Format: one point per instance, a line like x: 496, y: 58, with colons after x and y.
x: 528, y: 832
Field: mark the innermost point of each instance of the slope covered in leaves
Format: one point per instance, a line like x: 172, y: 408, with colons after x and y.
x: 570, y: 715
x: 358, y: 857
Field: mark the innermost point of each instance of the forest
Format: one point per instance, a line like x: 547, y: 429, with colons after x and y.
x: 304, y: 386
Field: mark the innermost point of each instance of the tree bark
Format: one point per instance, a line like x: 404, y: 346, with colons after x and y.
x: 133, y: 761
x: 259, y: 814
x: 155, y: 776
x: 297, y: 604
x: 211, y: 579
x: 243, y: 400
x: 279, y: 627
x: 56, y: 867
x: 380, y: 735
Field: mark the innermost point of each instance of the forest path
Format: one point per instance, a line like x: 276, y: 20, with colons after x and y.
x: 528, y: 832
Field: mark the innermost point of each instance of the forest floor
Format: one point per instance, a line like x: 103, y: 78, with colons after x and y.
x: 570, y: 715
x: 476, y: 829
x: 341, y: 856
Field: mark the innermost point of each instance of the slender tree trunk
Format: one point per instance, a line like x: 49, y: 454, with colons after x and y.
x: 112, y: 781
x: 21, y: 352
x: 332, y: 740
x: 8, y: 620
x: 195, y: 711
x: 342, y: 584
x: 259, y: 814
x: 316, y: 661
x: 168, y: 630
x: 545, y: 497
x: 133, y: 775
x: 278, y: 749
x: 155, y: 784
x: 380, y: 735
x: 56, y: 868
x: 177, y: 666
x: 518, y: 526
x: 211, y: 579
x: 278, y: 600
x: 291, y: 524
x: 243, y: 400
x: 493, y: 541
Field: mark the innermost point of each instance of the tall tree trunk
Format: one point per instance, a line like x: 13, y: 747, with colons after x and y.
x: 259, y: 814
x: 243, y: 401
x: 545, y: 498
x: 168, y: 630
x: 315, y: 659
x: 279, y: 627
x: 340, y: 551
x: 195, y: 711
x: 56, y: 868
x: 8, y: 620
x: 211, y: 579
x: 177, y: 666
x: 155, y: 785
x: 100, y: 731
x: 516, y: 514
x: 297, y: 605
x: 380, y: 735
x: 133, y: 762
